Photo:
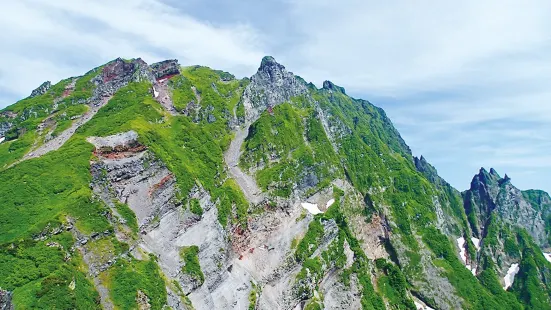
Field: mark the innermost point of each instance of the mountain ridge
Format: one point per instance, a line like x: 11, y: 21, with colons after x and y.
x: 176, y: 185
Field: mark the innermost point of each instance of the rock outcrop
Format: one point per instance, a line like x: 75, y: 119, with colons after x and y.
x: 5, y: 300
x: 165, y: 69
x: 490, y: 193
x: 41, y: 90
x: 118, y: 73
x: 271, y: 85
x: 328, y: 85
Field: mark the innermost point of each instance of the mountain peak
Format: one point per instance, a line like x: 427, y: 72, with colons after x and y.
x: 328, y: 85
x: 269, y: 62
x: 271, y: 85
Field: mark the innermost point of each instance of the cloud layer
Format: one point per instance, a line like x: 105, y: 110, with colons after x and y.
x: 466, y: 83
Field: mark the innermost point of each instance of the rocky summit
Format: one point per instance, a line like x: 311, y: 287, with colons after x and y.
x: 157, y: 186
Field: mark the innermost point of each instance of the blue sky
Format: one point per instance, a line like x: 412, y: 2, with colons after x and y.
x: 467, y: 84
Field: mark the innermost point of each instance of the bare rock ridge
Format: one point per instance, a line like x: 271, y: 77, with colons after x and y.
x: 42, y: 89
x: 271, y: 85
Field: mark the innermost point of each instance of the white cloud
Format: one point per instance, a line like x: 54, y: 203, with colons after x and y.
x: 41, y: 36
x: 402, y: 46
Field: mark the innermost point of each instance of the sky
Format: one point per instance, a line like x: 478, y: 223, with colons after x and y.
x: 467, y: 83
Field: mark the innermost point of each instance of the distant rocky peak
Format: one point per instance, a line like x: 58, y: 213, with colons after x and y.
x: 491, y: 194
x: 41, y: 90
x: 328, y: 85
x: 271, y: 85
x: 486, y: 178
x: 271, y: 71
x: 506, y: 179
x: 423, y: 166
x: 269, y: 62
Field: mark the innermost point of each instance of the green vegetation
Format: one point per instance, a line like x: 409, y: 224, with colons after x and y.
x: 394, y: 286
x: 31, y: 112
x: 64, y: 121
x: 313, y: 305
x: 231, y: 199
x: 195, y: 207
x: 128, y: 216
x: 308, y: 245
x: 253, y: 296
x: 528, y: 285
x: 40, y: 276
x: 294, y: 152
x: 473, y: 292
x: 128, y: 276
x: 191, y: 266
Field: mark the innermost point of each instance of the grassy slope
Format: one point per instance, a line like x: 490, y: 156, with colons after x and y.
x: 32, y: 111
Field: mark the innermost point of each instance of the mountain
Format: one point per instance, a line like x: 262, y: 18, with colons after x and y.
x: 140, y: 186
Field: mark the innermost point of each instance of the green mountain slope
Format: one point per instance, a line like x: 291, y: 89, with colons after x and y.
x: 143, y: 186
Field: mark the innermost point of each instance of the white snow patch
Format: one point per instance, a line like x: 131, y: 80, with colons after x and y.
x: 155, y: 92
x: 462, y: 251
x: 2, y: 139
x: 311, y: 207
x: 330, y: 203
x: 420, y: 306
x: 463, y: 254
x: 476, y: 242
x: 547, y: 256
x: 510, y: 276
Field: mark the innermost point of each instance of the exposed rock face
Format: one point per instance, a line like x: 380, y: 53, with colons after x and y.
x: 165, y: 69
x: 41, y: 90
x: 4, y: 127
x: 122, y: 140
x: 5, y: 300
x: 271, y: 85
x: 118, y: 73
